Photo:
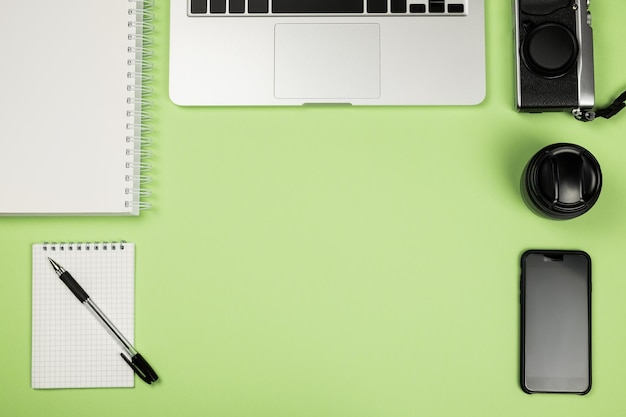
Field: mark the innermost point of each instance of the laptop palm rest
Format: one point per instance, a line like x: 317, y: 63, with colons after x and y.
x: 327, y: 61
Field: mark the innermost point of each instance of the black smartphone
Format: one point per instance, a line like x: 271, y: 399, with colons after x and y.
x: 555, y: 322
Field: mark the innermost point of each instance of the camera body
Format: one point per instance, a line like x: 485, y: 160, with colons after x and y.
x: 554, y: 54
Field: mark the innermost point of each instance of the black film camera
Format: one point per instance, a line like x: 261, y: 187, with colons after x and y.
x: 554, y: 53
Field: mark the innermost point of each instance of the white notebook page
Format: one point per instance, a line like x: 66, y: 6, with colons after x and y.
x: 70, y: 348
x: 64, y: 107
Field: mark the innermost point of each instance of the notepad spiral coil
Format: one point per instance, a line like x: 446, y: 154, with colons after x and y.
x: 86, y: 246
x: 139, y: 103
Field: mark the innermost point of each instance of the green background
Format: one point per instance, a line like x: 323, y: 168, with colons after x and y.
x: 338, y: 261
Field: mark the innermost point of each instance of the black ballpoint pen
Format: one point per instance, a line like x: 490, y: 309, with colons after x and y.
x: 132, y: 357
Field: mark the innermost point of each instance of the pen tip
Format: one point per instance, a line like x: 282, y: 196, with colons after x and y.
x: 57, y: 268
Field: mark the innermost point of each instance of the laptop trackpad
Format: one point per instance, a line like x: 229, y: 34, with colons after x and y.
x: 327, y: 61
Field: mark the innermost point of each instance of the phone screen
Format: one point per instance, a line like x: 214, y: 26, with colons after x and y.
x: 556, y: 322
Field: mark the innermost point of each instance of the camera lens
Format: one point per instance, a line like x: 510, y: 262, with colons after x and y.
x: 561, y: 181
x: 550, y: 50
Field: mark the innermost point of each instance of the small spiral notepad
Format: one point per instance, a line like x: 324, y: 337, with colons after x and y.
x: 70, y: 348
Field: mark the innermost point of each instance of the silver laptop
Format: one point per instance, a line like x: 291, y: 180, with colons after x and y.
x: 294, y: 52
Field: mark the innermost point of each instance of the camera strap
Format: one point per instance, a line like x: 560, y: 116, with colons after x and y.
x: 607, y: 113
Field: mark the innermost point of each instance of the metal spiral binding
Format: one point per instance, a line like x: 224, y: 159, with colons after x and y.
x: 80, y: 246
x: 139, y: 103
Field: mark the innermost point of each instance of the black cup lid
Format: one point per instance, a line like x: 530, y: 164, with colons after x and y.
x: 564, y: 180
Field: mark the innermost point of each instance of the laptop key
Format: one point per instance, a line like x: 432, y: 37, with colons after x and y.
x: 456, y: 8
x: 377, y: 6
x: 318, y: 6
x: 417, y: 8
x: 258, y: 6
x: 436, y: 6
x: 198, y: 6
x: 218, y: 6
x: 398, y: 6
x: 236, y: 6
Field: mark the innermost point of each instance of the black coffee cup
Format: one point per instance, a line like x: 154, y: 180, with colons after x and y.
x: 561, y: 181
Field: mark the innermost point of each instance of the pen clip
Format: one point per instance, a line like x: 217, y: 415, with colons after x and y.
x: 141, y: 367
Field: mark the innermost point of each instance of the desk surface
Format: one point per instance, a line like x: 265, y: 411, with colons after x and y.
x: 343, y: 261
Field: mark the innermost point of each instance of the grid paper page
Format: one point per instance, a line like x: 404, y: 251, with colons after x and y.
x: 70, y: 348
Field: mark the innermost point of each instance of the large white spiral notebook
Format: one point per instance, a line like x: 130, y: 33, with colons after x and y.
x: 74, y: 112
x: 70, y: 348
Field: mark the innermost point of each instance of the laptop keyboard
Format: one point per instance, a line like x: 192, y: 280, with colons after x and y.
x: 325, y: 7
